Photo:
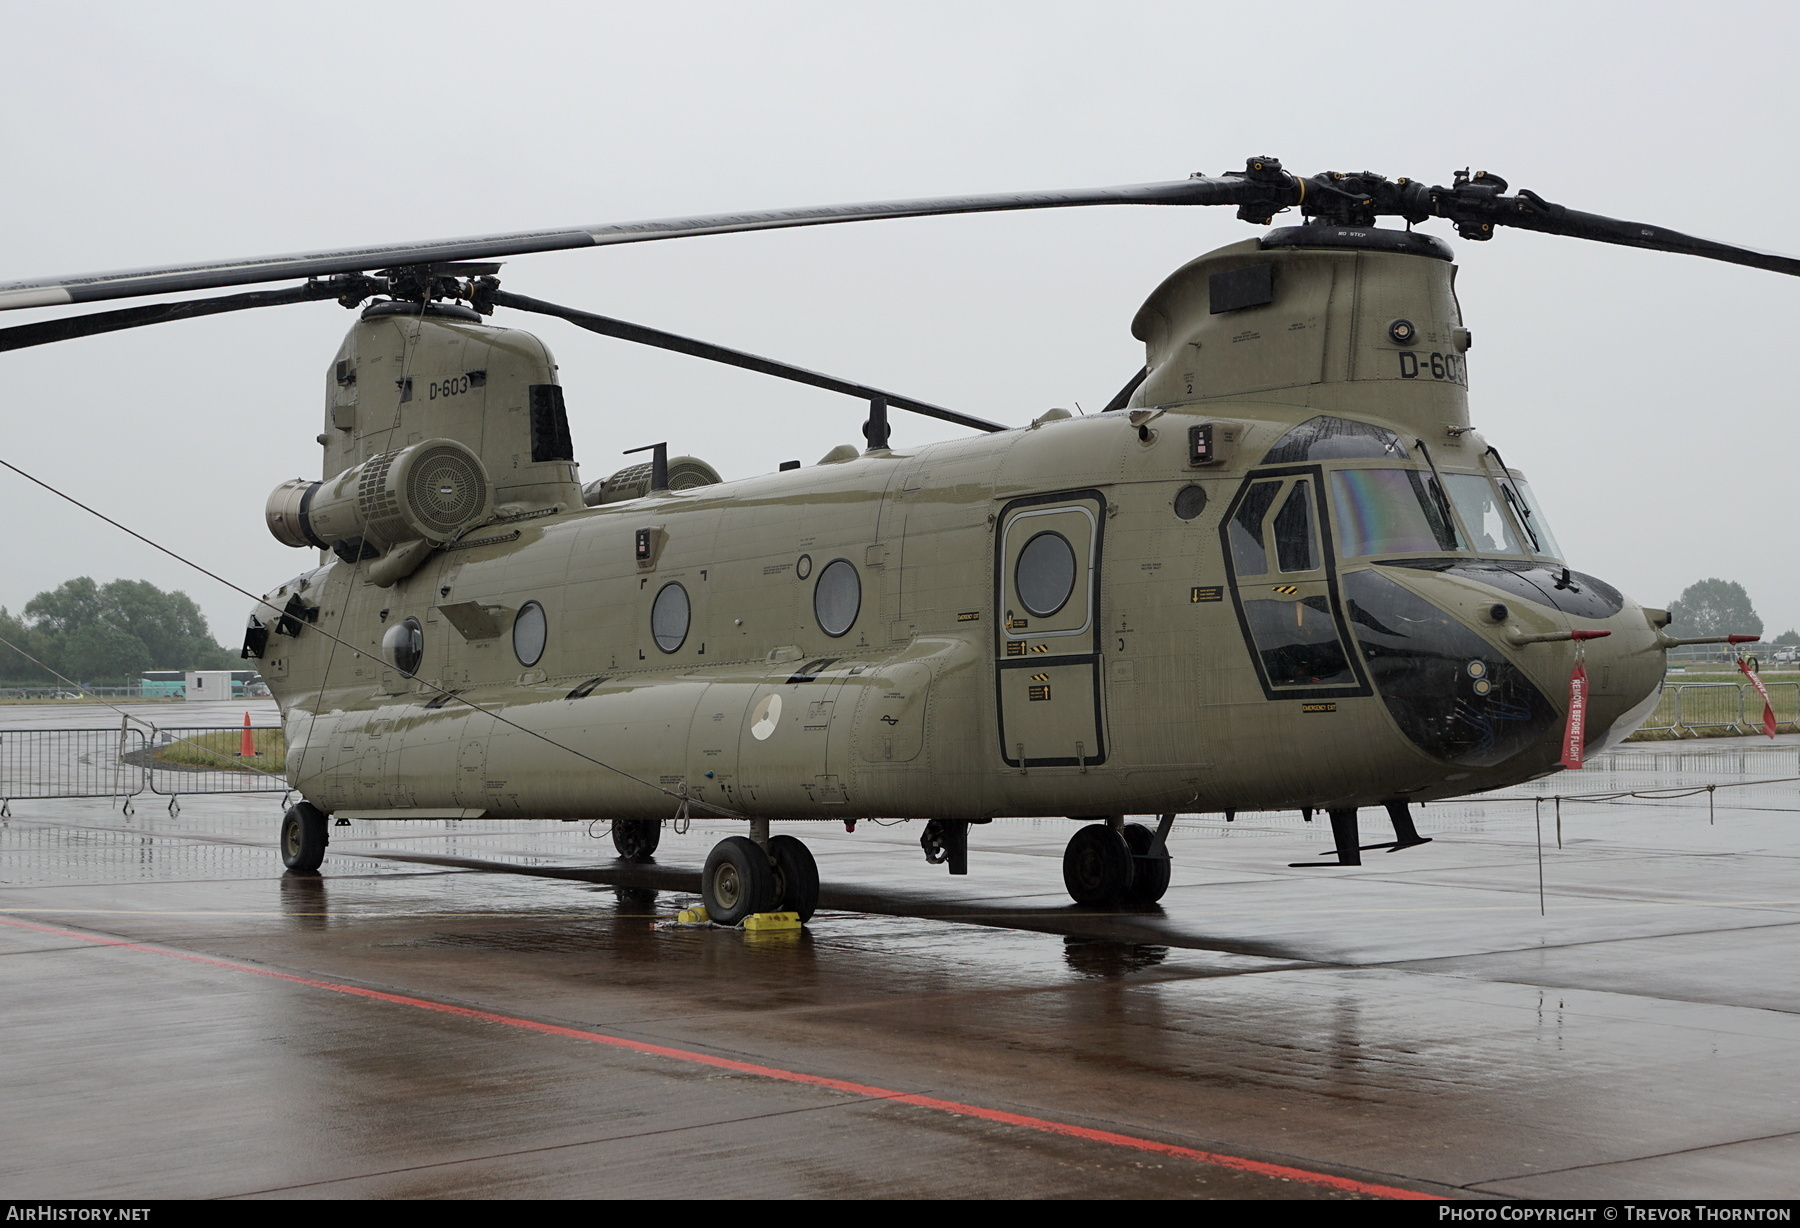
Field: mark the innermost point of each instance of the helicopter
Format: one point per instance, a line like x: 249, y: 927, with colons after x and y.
x: 1279, y: 570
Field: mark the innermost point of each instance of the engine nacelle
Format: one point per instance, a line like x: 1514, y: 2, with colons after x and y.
x: 430, y: 491
x: 685, y: 472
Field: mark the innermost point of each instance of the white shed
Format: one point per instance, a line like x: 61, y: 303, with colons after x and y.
x: 208, y: 684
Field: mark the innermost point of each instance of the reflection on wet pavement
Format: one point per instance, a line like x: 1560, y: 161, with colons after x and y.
x: 1412, y: 1022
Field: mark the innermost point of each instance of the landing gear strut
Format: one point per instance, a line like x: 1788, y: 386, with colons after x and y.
x: 1345, y: 837
x: 947, y: 840
x: 743, y: 877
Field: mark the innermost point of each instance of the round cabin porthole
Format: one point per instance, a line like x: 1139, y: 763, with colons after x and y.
x: 404, y: 646
x: 1190, y: 501
x: 530, y: 630
x: 837, y: 597
x: 1044, y: 576
x: 670, y: 615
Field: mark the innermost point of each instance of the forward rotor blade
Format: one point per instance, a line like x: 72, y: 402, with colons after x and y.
x: 643, y: 335
x: 1546, y: 218
x: 43, y: 332
x: 129, y: 283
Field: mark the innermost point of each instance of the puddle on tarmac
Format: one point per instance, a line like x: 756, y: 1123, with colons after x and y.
x: 1097, y: 958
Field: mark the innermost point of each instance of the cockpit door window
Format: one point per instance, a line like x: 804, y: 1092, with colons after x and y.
x: 1294, y: 547
x: 1284, y: 585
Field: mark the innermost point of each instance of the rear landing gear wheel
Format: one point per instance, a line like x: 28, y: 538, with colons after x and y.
x: 737, y: 880
x: 1149, y: 875
x: 1097, y: 866
x: 796, y: 877
x: 304, y: 835
x: 636, y: 839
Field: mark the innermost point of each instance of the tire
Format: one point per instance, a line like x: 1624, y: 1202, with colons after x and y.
x: 1149, y: 875
x: 737, y: 880
x: 796, y: 877
x: 636, y: 839
x: 1097, y: 866
x: 304, y: 835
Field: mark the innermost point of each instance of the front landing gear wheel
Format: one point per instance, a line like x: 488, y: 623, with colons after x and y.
x: 1097, y: 866
x: 636, y: 839
x: 737, y: 880
x: 304, y: 835
x: 796, y: 877
x: 1149, y: 875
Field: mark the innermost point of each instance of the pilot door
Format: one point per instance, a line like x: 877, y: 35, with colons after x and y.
x: 1284, y: 584
x: 1047, y: 631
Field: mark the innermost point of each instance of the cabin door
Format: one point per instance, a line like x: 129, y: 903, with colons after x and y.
x: 1047, y: 630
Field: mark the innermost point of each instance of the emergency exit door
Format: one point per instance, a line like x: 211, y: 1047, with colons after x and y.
x: 1047, y: 630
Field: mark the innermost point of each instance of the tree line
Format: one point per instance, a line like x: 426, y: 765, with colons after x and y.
x: 107, y: 634
x: 1719, y: 607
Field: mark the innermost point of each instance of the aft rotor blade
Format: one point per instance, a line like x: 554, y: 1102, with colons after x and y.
x: 1540, y: 215
x: 129, y: 283
x: 644, y: 335
x: 43, y: 332
x: 1122, y: 398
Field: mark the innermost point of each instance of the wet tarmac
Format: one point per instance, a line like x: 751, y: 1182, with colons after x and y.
x: 500, y: 1010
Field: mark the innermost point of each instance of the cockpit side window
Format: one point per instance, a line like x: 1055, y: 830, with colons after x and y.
x: 1531, y: 517
x: 1390, y: 511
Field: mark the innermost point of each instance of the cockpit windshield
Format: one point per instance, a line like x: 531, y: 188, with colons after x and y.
x: 1390, y: 511
x: 1403, y: 510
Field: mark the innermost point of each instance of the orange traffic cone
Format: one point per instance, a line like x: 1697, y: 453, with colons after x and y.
x: 247, y: 748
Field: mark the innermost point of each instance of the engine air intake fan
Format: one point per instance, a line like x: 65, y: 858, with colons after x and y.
x: 685, y: 472
x: 429, y: 492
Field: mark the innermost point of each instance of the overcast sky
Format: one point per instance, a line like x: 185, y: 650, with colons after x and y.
x: 1649, y: 397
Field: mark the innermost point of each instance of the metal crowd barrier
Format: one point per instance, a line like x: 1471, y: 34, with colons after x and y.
x: 1709, y: 705
x: 1695, y: 707
x: 40, y: 763
x: 119, y: 763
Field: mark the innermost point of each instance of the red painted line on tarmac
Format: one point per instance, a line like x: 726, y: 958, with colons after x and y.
x: 956, y: 1108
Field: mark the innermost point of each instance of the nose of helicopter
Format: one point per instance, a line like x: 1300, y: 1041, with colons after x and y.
x: 1473, y: 659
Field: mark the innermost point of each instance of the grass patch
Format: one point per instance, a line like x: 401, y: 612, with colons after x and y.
x: 220, y: 751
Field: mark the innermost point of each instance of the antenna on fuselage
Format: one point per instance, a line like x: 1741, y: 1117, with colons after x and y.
x: 659, y: 464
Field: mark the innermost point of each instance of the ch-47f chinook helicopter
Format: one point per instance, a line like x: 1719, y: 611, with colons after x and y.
x: 1280, y: 570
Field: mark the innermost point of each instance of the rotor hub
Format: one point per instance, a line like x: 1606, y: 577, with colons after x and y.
x: 1362, y: 238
